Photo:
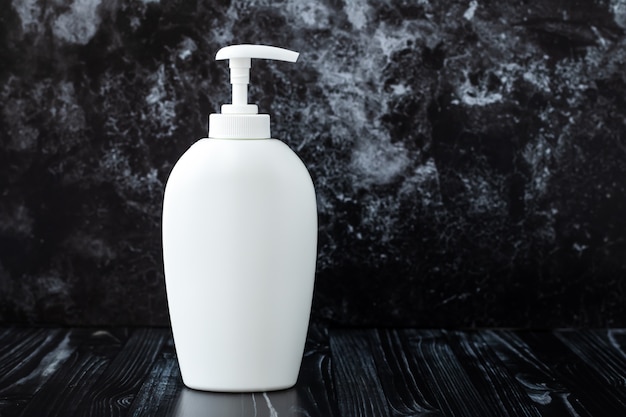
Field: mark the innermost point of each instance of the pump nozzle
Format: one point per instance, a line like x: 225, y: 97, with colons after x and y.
x: 241, y: 120
x: 240, y: 57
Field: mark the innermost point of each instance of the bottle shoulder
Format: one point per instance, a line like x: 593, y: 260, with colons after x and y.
x: 209, y: 156
x: 241, y: 150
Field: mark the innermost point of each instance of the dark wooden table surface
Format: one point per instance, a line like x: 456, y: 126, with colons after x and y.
x: 345, y: 372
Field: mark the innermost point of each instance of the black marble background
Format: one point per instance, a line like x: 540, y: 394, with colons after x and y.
x: 469, y: 156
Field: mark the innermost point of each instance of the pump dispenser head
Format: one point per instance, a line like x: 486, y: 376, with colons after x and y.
x: 241, y: 120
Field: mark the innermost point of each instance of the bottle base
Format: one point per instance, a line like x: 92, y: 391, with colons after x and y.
x: 240, y: 388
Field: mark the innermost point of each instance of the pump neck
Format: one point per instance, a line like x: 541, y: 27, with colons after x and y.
x: 241, y: 119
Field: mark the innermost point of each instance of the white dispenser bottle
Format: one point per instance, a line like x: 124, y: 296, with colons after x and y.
x: 240, y: 247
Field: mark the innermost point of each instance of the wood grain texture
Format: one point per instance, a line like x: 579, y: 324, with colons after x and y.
x: 588, y: 365
x: 604, y: 361
x: 76, y: 377
x: 345, y: 372
x: 442, y: 375
x: 315, y: 388
x: 536, y: 377
x: 28, y: 358
x: 119, y: 383
x: 359, y: 390
x: 401, y: 381
x: 163, y: 384
x: 497, y: 387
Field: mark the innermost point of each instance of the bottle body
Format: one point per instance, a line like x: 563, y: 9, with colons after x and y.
x: 239, y: 251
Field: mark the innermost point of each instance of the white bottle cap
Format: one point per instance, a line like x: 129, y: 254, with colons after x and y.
x: 241, y: 120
